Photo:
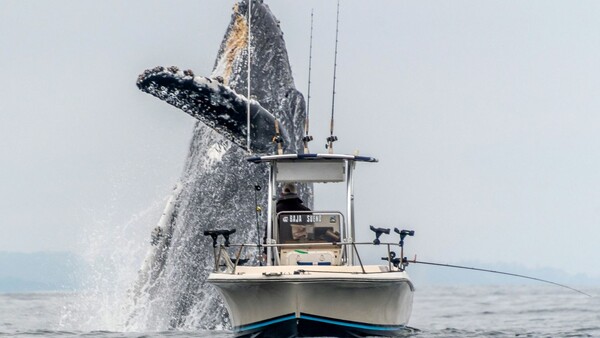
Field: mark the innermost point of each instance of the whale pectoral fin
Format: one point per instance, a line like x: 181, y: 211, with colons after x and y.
x: 215, y: 104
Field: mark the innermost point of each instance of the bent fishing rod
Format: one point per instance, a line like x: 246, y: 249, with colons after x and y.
x: 497, y: 272
x: 401, y: 262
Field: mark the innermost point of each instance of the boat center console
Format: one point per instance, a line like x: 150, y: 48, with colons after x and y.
x: 304, y: 228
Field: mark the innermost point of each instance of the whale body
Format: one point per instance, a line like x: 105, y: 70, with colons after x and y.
x: 217, y: 187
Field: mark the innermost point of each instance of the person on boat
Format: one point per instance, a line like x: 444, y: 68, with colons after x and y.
x: 289, y: 200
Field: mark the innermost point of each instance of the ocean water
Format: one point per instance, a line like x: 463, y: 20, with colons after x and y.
x: 459, y: 311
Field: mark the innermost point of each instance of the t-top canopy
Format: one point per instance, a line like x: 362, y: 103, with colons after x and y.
x: 310, y: 157
x: 314, y: 168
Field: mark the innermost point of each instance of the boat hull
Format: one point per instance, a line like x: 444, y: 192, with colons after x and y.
x: 263, y: 302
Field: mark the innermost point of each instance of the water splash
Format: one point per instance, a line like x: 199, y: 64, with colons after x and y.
x: 112, y: 252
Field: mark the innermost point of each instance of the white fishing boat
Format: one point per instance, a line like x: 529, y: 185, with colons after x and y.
x: 312, y: 280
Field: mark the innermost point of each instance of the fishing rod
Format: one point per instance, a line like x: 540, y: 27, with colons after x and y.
x: 402, y: 261
x: 278, y: 139
x: 332, y: 138
x: 307, y: 138
x: 497, y: 272
x: 258, y: 211
x: 248, y: 80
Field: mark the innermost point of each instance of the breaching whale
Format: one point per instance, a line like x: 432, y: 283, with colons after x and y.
x: 217, y: 185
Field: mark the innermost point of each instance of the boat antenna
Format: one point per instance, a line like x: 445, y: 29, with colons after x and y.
x: 498, y: 272
x: 307, y: 138
x: 248, y: 81
x: 331, y: 137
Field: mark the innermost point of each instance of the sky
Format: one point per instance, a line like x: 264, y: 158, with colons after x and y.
x: 484, y: 115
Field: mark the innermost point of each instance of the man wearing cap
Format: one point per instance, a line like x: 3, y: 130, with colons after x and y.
x: 289, y: 200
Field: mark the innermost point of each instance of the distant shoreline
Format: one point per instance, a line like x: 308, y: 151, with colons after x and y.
x: 46, y: 272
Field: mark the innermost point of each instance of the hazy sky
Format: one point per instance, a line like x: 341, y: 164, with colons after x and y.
x: 484, y: 115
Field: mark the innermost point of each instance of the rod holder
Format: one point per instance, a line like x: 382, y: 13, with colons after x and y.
x: 214, y: 234
x: 378, y: 232
x: 403, y: 234
x: 329, y: 144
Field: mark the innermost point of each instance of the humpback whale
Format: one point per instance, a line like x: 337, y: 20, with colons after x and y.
x: 217, y: 186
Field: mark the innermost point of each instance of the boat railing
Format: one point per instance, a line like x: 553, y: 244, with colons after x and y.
x: 225, y: 263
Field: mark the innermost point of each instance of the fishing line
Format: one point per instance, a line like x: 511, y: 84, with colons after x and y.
x: 498, y: 272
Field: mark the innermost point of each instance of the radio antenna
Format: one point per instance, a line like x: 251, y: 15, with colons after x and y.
x: 307, y: 138
x: 332, y: 138
x: 248, y: 81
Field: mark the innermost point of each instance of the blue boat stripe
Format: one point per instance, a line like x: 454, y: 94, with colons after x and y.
x: 349, y: 324
x: 265, y: 323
